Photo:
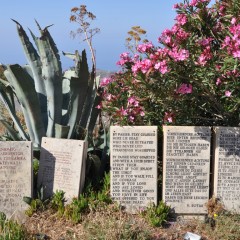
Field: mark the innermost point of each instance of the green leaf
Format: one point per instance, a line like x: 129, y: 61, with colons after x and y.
x: 27, y: 96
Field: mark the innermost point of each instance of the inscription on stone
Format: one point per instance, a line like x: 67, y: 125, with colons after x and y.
x: 62, y: 166
x: 15, y: 176
x: 134, y: 166
x: 227, y: 167
x: 186, y: 166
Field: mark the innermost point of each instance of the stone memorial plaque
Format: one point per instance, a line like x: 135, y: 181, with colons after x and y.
x: 227, y: 167
x: 134, y: 166
x: 16, y: 179
x: 186, y: 167
x: 62, y: 166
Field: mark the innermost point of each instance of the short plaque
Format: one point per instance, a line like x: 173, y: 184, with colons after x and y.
x: 62, y: 166
x: 134, y: 166
x: 186, y: 167
x: 227, y: 167
x: 16, y: 179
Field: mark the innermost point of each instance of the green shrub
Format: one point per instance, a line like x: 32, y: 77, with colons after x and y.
x: 157, y: 215
x: 10, y: 230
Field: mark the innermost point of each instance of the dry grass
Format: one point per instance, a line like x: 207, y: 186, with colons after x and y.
x: 110, y: 223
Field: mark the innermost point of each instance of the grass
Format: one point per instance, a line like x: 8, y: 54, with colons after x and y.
x: 93, y: 216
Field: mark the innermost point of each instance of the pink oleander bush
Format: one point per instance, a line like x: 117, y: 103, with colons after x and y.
x: 191, y: 78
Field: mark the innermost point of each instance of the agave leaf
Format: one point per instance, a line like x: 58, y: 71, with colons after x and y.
x: 11, y: 131
x: 27, y: 96
x: 11, y: 109
x: 77, y: 98
x: 69, y: 55
x: 4, y: 82
x: 94, y: 115
x: 36, y: 68
x: 27, y: 200
x: 32, y: 58
x: 28, y: 69
x: 61, y: 131
x: 78, y: 93
x: 77, y: 59
x: 91, y: 93
x: 91, y: 112
x: 52, y: 75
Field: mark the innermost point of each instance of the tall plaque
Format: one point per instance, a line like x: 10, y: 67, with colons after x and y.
x: 15, y: 176
x: 227, y: 167
x: 186, y: 166
x: 62, y: 166
x: 134, y: 166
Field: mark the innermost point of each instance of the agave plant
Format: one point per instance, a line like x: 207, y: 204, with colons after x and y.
x: 54, y: 104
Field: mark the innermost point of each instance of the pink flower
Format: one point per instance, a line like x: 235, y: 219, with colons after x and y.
x: 202, y: 60
x: 123, y: 112
x: 232, y: 43
x: 145, y: 65
x: 205, y: 41
x: 133, y: 101
x: 136, y: 67
x: 142, y: 113
x: 99, y: 106
x: 236, y: 53
x: 181, y: 19
x: 179, y: 54
x: 162, y: 67
x: 228, y: 93
x: 136, y: 57
x: 131, y: 118
x: 233, y: 21
x: 205, y: 56
x: 145, y: 47
x: 166, y: 37
x: 124, y: 58
x: 168, y: 117
x: 109, y: 97
x: 184, y: 88
x: 175, y: 6
x: 194, y: 3
x: 218, y: 82
x: 105, y: 81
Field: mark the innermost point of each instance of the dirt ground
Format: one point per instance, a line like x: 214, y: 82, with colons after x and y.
x: 108, y: 225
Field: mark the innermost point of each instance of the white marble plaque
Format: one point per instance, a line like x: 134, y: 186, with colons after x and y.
x: 186, y: 168
x: 16, y: 179
x: 62, y: 166
x: 134, y: 166
x: 227, y: 167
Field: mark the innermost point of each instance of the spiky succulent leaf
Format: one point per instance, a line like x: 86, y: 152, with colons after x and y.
x: 91, y: 93
x: 27, y: 96
x: 11, y: 131
x: 52, y: 75
x: 78, y: 93
x: 32, y: 58
x: 9, y: 104
x: 61, y: 131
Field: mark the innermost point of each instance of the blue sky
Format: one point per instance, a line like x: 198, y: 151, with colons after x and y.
x: 114, y: 18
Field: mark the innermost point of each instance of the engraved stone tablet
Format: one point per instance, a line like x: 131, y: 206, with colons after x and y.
x: 15, y: 176
x: 134, y: 166
x: 62, y: 166
x: 186, y: 166
x: 227, y: 167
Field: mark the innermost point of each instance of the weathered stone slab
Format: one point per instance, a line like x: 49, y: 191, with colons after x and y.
x: 62, y: 166
x: 134, y: 166
x: 186, y: 167
x: 16, y: 179
x: 227, y: 167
